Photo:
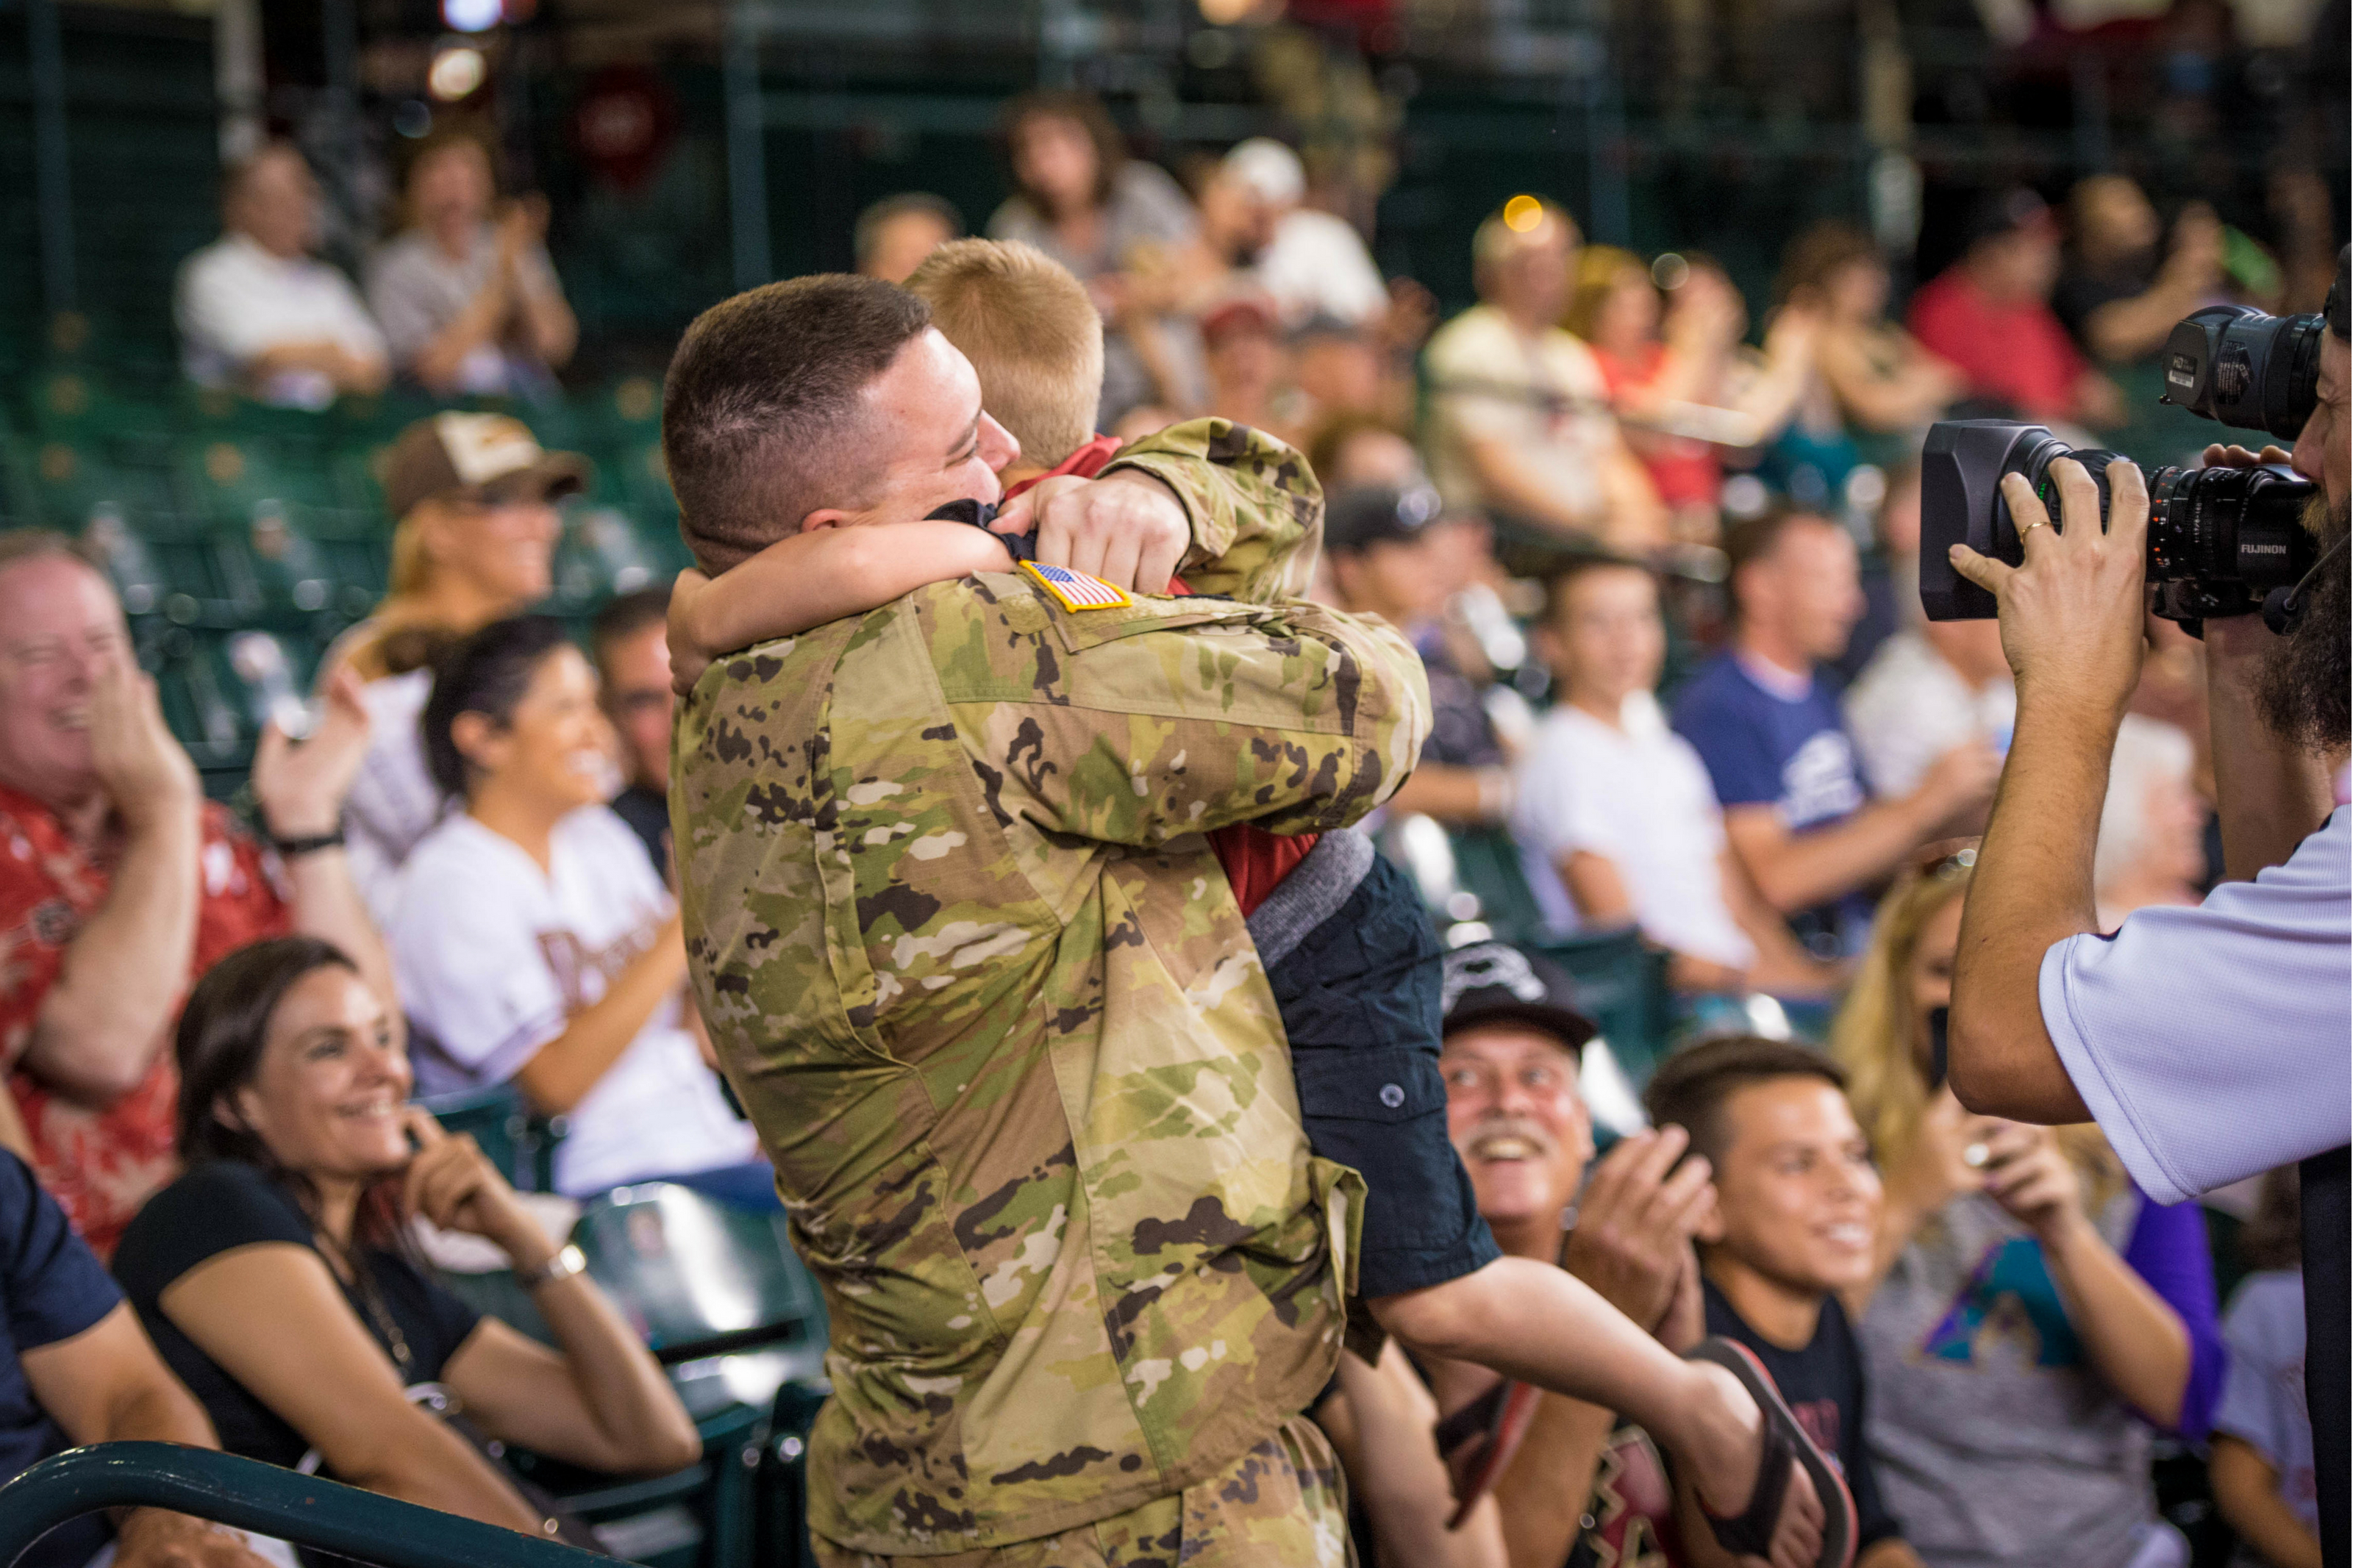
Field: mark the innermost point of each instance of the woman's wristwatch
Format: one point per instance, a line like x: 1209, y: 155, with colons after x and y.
x: 566, y: 1261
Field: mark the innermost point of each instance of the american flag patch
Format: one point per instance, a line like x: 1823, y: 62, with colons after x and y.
x: 1076, y: 590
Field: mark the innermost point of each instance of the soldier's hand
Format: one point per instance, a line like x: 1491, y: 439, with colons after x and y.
x: 1126, y: 529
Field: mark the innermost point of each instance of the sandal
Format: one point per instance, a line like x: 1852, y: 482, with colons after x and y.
x: 1477, y: 1440
x: 1750, y: 1534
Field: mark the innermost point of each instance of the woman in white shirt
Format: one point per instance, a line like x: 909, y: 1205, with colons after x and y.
x: 533, y: 942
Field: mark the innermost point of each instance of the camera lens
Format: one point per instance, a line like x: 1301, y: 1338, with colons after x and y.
x: 2245, y: 369
x: 2219, y: 539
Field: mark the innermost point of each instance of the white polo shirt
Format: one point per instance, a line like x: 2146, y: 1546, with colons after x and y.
x: 2214, y: 1042
x: 234, y: 300
x: 1639, y: 796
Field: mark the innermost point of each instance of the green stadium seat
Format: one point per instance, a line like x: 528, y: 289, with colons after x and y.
x: 1621, y: 985
x: 698, y: 1276
x: 1487, y: 860
x: 64, y: 481
x: 519, y: 1143
x: 602, y: 554
x: 315, y: 567
x: 358, y: 470
x: 228, y: 476
x: 202, y: 698
x: 701, y: 1517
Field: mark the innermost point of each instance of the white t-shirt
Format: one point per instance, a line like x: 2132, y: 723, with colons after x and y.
x: 235, y: 299
x: 1638, y: 795
x: 1490, y: 380
x: 392, y: 804
x: 2215, y: 1041
x: 1909, y: 707
x: 1316, y: 264
x: 492, y: 957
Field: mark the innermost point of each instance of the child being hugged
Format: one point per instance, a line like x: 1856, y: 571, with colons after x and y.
x: 1348, y: 952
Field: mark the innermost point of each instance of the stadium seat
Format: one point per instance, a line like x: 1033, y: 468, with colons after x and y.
x: 61, y: 481
x: 520, y: 1144
x: 698, y: 1276
x: 602, y: 554
x: 225, y: 477
x: 705, y: 1516
x: 1621, y: 984
x: 315, y: 567
x: 1487, y: 861
x: 267, y: 1499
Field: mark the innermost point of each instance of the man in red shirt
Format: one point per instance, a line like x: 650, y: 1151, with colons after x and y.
x: 1990, y: 313
x: 119, y: 883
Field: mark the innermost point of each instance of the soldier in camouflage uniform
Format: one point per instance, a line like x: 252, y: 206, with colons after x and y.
x: 980, y: 981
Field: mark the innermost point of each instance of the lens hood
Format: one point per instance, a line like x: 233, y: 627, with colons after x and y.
x: 1961, y: 466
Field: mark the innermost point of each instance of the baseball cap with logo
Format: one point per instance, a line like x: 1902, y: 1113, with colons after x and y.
x: 1496, y: 983
x: 479, y: 457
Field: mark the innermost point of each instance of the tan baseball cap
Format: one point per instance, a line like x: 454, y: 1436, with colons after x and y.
x: 484, y: 457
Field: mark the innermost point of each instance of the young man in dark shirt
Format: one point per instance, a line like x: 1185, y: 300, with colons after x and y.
x: 1797, y: 1208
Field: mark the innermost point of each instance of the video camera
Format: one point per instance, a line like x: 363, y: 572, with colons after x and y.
x: 2220, y: 541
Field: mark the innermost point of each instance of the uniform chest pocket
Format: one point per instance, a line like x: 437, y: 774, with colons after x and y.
x: 1081, y: 629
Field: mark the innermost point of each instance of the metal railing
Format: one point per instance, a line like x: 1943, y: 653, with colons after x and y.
x: 266, y: 1500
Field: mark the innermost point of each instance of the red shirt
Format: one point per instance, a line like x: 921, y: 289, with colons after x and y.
x: 2018, y: 353
x: 102, y: 1164
x: 1255, y: 860
x: 1686, y: 472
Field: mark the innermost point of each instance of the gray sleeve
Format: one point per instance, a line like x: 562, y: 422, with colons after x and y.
x: 1151, y: 205
x: 2209, y: 1043
x: 399, y: 296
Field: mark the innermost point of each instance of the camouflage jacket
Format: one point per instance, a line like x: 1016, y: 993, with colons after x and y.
x: 982, y: 985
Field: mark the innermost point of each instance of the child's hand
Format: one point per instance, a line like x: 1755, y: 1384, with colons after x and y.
x: 688, y: 657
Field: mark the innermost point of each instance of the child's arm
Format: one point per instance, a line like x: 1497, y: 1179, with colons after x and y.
x: 807, y: 578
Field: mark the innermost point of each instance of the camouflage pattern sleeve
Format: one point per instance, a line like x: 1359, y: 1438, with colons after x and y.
x: 1174, y: 716
x: 1256, y: 509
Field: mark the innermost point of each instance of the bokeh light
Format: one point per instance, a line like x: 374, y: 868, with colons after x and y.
x: 455, y: 73
x: 1522, y: 214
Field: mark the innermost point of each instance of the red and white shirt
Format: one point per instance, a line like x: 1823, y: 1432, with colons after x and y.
x: 103, y: 1163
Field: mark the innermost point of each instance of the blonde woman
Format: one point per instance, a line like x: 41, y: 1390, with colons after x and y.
x: 2033, y: 1314
x: 475, y: 499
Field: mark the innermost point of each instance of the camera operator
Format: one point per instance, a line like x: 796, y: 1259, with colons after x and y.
x: 2208, y: 1043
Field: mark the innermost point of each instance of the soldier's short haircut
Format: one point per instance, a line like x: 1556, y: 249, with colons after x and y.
x: 763, y: 407
x: 1692, y: 1086
x: 1033, y: 337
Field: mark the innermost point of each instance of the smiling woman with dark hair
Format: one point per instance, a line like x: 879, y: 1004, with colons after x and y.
x: 276, y: 1278
x: 534, y: 940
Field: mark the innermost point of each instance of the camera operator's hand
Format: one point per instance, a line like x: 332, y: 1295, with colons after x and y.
x: 2070, y: 615
x: 2221, y: 457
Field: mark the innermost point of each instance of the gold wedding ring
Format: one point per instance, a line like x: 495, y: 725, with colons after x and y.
x: 2029, y: 528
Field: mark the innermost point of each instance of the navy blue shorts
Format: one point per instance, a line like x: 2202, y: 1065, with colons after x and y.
x: 1355, y: 970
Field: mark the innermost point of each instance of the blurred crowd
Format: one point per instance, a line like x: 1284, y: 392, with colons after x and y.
x: 1658, y: 548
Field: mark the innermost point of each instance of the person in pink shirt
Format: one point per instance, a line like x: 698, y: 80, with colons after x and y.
x: 1989, y: 314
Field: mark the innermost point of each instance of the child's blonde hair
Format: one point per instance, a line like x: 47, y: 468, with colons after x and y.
x: 1032, y: 333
